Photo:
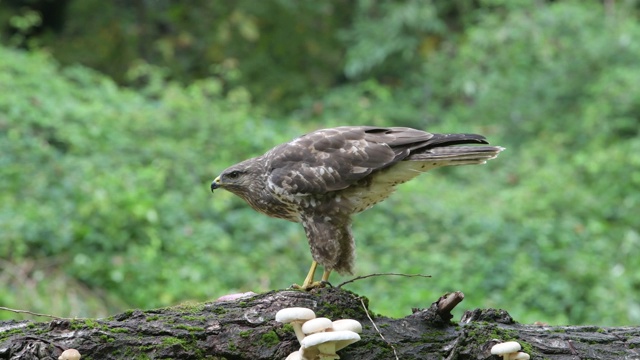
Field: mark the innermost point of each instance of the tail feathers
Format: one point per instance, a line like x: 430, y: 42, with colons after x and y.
x: 457, y: 155
x: 439, y: 140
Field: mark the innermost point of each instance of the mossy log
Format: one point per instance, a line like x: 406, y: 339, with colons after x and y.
x: 245, y: 329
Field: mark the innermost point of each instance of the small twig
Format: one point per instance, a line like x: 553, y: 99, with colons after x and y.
x: 30, y: 313
x: 382, y: 274
x: 378, y: 330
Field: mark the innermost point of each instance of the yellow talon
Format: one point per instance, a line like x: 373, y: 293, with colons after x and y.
x: 308, y: 283
x: 325, y: 275
x: 309, y: 279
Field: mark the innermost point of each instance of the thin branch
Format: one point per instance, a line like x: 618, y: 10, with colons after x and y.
x: 378, y: 330
x: 381, y: 274
x: 29, y: 312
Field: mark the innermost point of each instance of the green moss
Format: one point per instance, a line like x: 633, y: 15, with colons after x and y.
x: 484, y: 333
x: 171, y: 341
x: 9, y: 333
x: 87, y: 324
x: 288, y: 328
x: 219, y: 310
x: 431, y: 335
x: 189, y: 328
x: 107, y: 338
x: 187, y: 345
x: 270, y: 338
x: 194, y: 318
x: 526, y: 347
x: 119, y: 330
x: 152, y: 318
x: 146, y: 348
x: 91, y: 324
x: 189, y: 307
x: 133, y: 353
x: 244, y: 334
x: 232, y: 346
x: 333, y: 311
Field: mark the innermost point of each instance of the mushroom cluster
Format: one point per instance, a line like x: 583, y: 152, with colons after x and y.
x: 509, y: 350
x: 319, y: 338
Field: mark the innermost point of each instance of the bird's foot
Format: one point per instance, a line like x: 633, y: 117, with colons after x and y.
x: 311, y: 286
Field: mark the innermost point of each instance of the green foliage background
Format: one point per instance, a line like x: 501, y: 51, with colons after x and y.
x: 112, y: 129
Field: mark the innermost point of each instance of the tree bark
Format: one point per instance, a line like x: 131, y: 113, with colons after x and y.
x: 245, y: 329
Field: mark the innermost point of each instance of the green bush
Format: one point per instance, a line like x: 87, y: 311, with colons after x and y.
x: 112, y: 186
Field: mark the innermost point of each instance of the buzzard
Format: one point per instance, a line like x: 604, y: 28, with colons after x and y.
x: 324, y: 177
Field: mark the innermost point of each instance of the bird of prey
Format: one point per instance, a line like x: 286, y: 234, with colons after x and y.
x: 324, y: 177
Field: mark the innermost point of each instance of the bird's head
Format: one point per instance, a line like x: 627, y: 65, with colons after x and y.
x: 239, y: 179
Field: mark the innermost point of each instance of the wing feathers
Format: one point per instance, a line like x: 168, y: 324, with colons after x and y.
x: 333, y: 159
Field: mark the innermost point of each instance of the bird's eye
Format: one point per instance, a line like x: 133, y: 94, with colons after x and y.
x: 233, y: 175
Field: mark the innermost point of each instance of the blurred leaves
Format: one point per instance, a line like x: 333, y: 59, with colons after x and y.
x: 407, y: 28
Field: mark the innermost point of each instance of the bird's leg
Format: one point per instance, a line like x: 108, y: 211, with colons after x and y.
x: 309, y: 279
x: 325, y: 276
x: 308, y: 283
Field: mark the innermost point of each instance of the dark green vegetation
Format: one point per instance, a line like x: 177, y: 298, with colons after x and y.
x: 104, y: 190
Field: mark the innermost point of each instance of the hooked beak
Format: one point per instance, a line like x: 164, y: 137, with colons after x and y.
x: 215, y: 183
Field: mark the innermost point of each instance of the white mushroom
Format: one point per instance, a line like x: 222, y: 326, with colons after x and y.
x: 309, y: 353
x: 294, y: 356
x: 347, y: 324
x: 519, y: 356
x: 505, y: 349
x: 326, y: 342
x: 70, y: 354
x: 295, y: 316
x: 316, y: 325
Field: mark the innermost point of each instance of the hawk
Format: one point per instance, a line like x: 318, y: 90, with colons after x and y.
x: 324, y: 177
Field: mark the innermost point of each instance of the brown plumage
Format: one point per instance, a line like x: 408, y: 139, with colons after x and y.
x: 322, y: 178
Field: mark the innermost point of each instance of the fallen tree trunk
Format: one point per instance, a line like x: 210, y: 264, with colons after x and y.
x: 245, y: 328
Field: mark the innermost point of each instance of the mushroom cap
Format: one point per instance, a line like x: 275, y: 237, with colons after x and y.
x: 505, y: 348
x: 294, y: 314
x: 347, y: 324
x: 70, y: 354
x: 294, y: 356
x: 520, y: 356
x: 343, y: 337
x: 316, y: 325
